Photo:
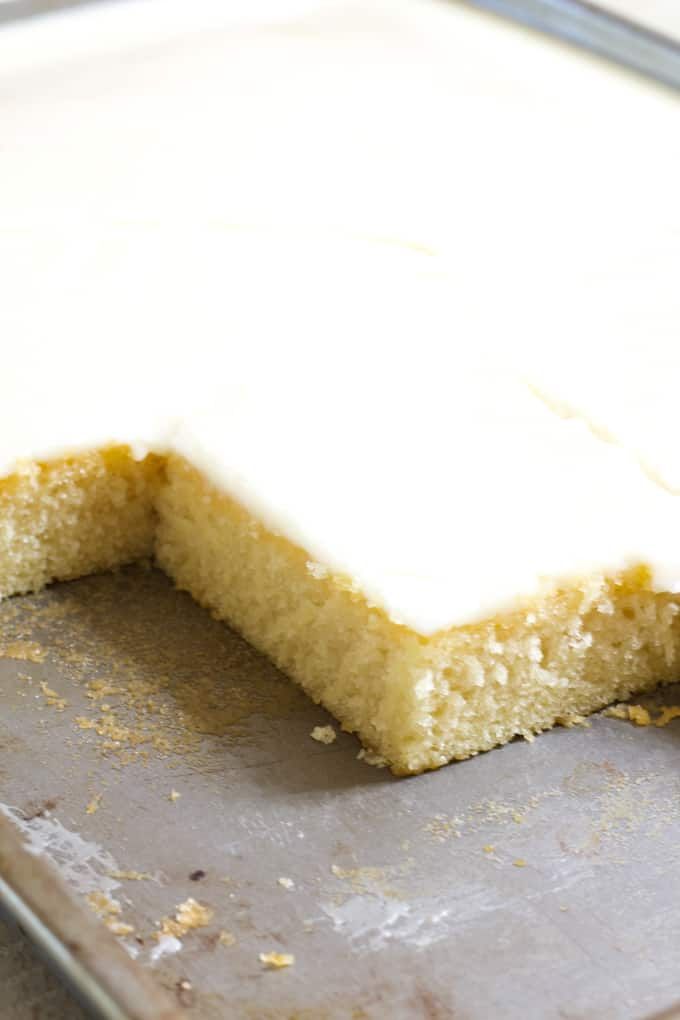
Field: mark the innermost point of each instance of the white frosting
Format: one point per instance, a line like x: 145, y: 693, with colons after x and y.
x: 349, y: 261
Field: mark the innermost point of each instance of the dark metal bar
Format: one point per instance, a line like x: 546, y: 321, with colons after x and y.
x: 73, y: 941
x: 589, y: 26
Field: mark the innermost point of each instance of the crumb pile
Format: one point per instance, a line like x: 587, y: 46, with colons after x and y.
x: 189, y: 915
x: 641, y: 716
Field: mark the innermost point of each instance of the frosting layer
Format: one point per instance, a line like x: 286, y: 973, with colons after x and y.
x: 400, y: 278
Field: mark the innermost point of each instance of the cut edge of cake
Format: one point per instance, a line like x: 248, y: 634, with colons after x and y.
x: 415, y: 701
x: 76, y: 515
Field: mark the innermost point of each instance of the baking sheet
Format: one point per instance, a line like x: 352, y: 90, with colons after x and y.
x: 29, y: 990
x: 537, y: 880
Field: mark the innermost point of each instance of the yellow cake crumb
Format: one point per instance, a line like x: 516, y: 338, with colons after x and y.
x: 83, y: 723
x: 668, y: 713
x: 174, y: 795
x: 93, y: 806
x: 488, y: 848
x: 519, y: 862
x: 120, y: 927
x: 188, y: 915
x: 637, y: 714
x: 324, y: 734
x: 53, y: 699
x: 97, y: 689
x: 102, y: 904
x: 227, y: 938
x: 26, y: 651
x: 276, y: 961
x: 641, y: 716
x: 616, y: 712
x: 287, y: 883
x: 134, y: 876
x: 569, y: 721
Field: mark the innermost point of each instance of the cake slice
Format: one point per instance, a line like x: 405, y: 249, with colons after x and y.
x: 400, y: 521
x: 370, y: 361
x: 520, y: 586
x: 440, y: 587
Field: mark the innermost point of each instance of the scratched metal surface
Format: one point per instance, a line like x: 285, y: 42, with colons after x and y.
x: 410, y: 898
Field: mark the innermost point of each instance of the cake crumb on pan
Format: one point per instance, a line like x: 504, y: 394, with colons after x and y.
x: 276, y: 961
x: 635, y: 713
x: 93, y: 805
x: 131, y: 875
x: 53, y: 699
x: 569, y: 721
x: 189, y: 915
x: 102, y: 904
x: 323, y: 734
x: 25, y: 651
x: 639, y: 715
x: 668, y: 714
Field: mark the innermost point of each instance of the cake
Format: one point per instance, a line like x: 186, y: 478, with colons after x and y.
x: 389, y: 402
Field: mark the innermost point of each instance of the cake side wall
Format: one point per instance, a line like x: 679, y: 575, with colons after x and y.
x: 74, y: 516
x: 569, y: 654
x: 317, y: 629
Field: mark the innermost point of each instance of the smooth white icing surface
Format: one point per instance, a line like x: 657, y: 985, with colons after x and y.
x: 351, y: 258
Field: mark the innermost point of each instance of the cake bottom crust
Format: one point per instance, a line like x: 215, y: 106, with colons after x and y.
x: 416, y: 702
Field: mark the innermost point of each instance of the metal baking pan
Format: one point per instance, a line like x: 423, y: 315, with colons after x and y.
x: 601, y: 28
